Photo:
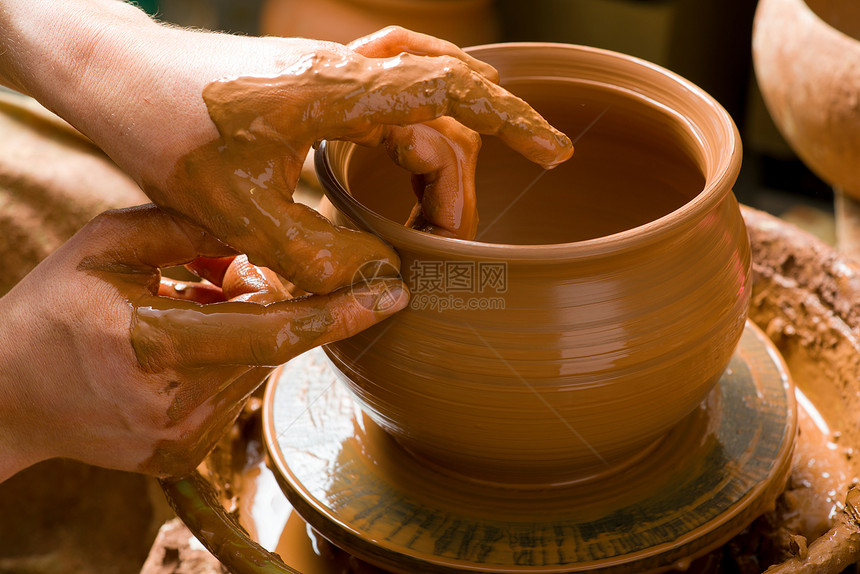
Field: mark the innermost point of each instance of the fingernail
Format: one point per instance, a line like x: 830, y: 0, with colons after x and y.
x: 564, y: 142
x: 565, y: 150
x: 382, y: 295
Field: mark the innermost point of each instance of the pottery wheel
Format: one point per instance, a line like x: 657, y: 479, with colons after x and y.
x: 706, y: 480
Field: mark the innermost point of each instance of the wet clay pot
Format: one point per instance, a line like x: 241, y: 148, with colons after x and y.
x: 806, y: 55
x: 804, y: 296
x: 598, y: 305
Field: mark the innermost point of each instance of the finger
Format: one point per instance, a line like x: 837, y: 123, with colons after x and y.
x: 350, y: 96
x: 244, y: 281
x: 395, y: 40
x: 444, y: 156
x: 203, y: 293
x: 142, y: 239
x: 408, y: 89
x: 210, y: 268
x: 257, y: 216
x: 167, y: 333
x: 316, y: 255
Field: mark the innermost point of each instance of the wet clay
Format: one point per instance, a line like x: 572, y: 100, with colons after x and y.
x: 833, y: 552
x: 503, y: 383
x: 247, y: 487
x: 351, y: 94
x: 804, y: 296
x: 795, y: 272
x: 820, y: 477
x: 349, y: 466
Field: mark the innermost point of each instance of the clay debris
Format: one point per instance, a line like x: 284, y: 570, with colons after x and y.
x: 177, y: 551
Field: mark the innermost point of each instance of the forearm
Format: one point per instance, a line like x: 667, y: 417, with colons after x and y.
x: 130, y: 84
x: 79, y: 58
x: 22, y: 423
x: 59, y: 52
x: 96, y: 63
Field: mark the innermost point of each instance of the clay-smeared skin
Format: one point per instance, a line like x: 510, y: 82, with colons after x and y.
x: 93, y: 335
x: 369, y: 94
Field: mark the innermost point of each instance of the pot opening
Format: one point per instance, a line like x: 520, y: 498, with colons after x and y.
x: 635, y: 161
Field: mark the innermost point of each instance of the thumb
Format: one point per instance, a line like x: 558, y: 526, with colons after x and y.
x: 167, y: 332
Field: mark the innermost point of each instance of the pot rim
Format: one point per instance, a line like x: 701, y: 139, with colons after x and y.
x: 718, y: 184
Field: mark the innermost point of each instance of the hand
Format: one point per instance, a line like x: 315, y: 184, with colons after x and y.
x: 97, y: 364
x: 372, y: 92
x: 216, y: 127
x: 369, y: 93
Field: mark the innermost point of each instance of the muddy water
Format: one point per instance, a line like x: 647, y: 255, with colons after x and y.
x: 819, y: 461
x: 269, y: 518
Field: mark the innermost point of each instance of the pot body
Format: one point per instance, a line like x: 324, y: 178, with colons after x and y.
x: 807, y: 63
x: 593, y: 322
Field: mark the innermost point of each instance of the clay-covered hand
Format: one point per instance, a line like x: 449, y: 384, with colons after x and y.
x: 215, y: 127
x: 102, y: 362
x: 423, y: 108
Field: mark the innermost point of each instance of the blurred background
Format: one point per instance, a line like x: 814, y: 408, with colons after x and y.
x: 706, y: 41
